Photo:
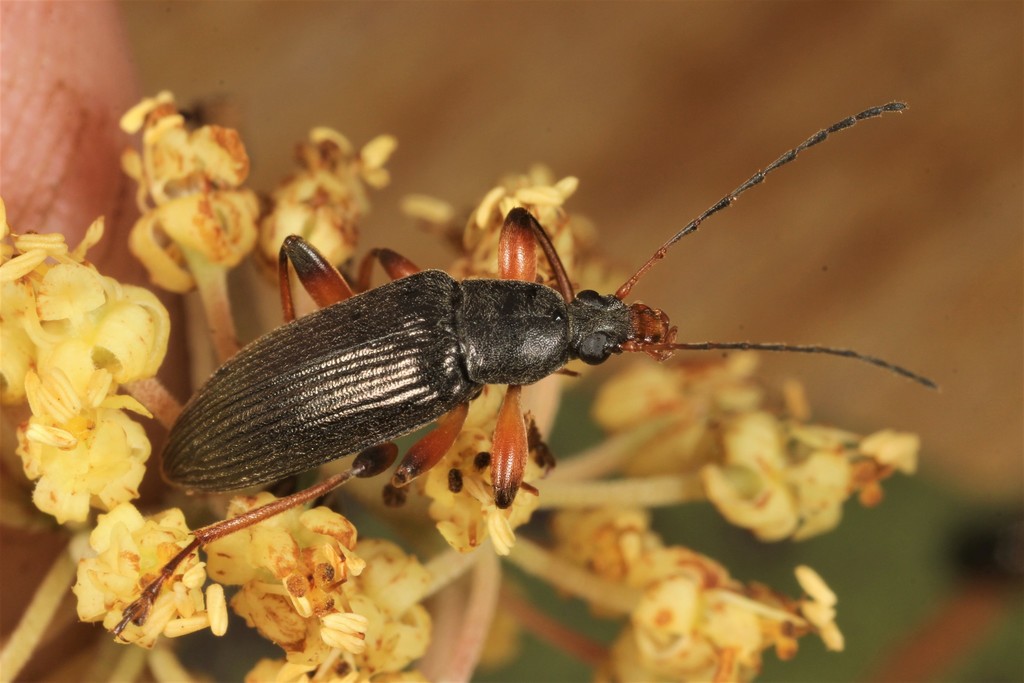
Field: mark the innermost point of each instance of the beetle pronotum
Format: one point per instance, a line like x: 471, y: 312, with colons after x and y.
x: 369, y: 367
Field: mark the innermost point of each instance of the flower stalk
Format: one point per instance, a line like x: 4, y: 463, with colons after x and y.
x: 38, y: 614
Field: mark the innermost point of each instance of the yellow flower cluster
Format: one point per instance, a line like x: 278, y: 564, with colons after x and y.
x: 688, y: 619
x: 330, y: 604
x: 574, y: 236
x: 70, y: 337
x: 130, y: 551
x: 325, y: 200
x: 776, y: 476
x: 196, y: 215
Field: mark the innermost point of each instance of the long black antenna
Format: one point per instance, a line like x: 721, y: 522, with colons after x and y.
x: 797, y: 348
x: 756, y: 179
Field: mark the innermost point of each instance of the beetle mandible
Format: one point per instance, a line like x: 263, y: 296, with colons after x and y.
x: 369, y: 367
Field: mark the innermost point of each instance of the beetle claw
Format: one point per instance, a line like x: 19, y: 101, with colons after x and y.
x: 137, y: 612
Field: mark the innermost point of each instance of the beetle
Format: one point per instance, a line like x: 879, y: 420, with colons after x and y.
x: 369, y: 367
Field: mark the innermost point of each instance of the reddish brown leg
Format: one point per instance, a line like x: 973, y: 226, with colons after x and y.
x: 517, y: 248
x: 426, y: 452
x: 368, y: 463
x: 394, y: 264
x: 322, y: 280
x: 509, y: 449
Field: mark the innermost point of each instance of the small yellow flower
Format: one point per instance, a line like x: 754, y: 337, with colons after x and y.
x: 130, y: 552
x: 819, y: 608
x: 195, y: 214
x: 326, y: 199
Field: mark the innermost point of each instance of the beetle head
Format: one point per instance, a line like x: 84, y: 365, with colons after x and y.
x: 598, y: 326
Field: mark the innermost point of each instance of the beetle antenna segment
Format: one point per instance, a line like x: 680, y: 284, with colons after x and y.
x: 756, y: 179
x: 368, y: 463
x: 521, y: 215
x: 795, y: 348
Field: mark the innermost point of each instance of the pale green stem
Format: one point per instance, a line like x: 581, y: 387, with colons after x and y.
x: 212, y: 283
x: 542, y: 400
x: 759, y: 608
x: 638, y: 491
x: 37, y: 616
x: 165, y: 666
x: 127, y: 666
x: 480, y: 609
x: 572, y: 578
x: 551, y: 631
x: 152, y: 394
x: 446, y: 611
x: 609, y: 455
x: 448, y: 566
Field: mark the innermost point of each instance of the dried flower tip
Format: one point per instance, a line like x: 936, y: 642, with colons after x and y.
x: 21, y: 265
x: 540, y: 196
x: 820, y: 608
x: 133, y: 119
x: 323, y: 134
x: 52, y: 244
x: 896, y: 449
x: 345, y: 630
x: 50, y: 436
x: 176, y: 628
x: 426, y: 208
x: 377, y: 151
x: 486, y: 210
x: 500, y: 530
x: 217, y: 609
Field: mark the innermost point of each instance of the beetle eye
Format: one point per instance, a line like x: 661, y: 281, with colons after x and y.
x: 594, y: 348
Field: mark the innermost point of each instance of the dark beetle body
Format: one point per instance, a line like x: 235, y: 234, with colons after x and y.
x: 375, y: 367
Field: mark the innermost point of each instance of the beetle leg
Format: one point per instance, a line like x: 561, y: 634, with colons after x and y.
x: 426, y: 452
x: 394, y: 264
x: 322, y: 280
x: 517, y: 251
x: 517, y: 248
x: 509, y: 449
x: 367, y: 463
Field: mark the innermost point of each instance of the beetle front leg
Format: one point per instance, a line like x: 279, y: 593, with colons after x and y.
x: 521, y: 234
x: 509, y: 448
x: 322, y: 280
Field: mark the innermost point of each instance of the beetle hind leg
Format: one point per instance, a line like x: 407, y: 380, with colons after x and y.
x: 394, y: 264
x: 321, y: 279
x: 368, y: 463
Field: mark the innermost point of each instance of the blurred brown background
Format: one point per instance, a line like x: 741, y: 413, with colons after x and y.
x: 901, y: 238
